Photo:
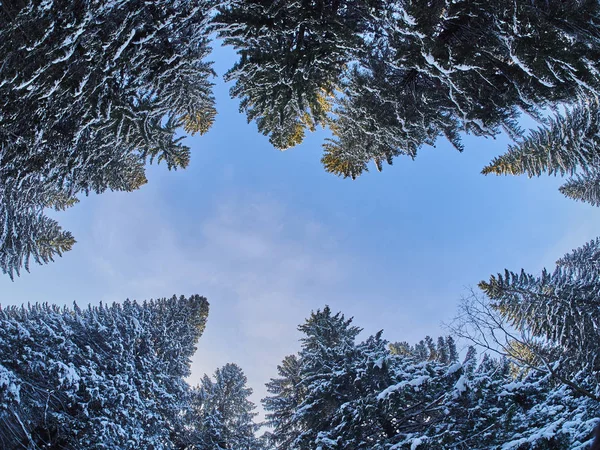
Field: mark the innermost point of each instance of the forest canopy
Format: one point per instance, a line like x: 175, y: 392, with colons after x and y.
x: 92, y: 92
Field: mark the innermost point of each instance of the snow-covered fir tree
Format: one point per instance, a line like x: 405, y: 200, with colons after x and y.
x: 89, y: 92
x: 398, y: 75
x: 339, y: 394
x: 28, y: 235
x: 221, y: 416
x: 292, y: 58
x: 106, y: 377
x: 560, y: 312
x: 319, y: 384
x: 568, y: 145
x: 445, y: 67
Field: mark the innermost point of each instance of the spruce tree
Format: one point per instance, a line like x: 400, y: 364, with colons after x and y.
x: 292, y: 57
x: 568, y: 145
x: 338, y: 394
x: 306, y: 399
x: 28, y: 235
x: 448, y: 67
x: 107, y: 377
x: 287, y: 392
x: 328, y: 348
x: 91, y: 92
x: 222, y: 416
x: 398, y: 75
x: 560, y: 311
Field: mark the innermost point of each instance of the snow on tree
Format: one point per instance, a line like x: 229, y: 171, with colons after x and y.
x: 546, y: 414
x: 28, y: 234
x: 560, y: 311
x: 324, y: 372
x: 568, y: 145
x: 292, y: 57
x: 390, y: 77
x: 339, y: 394
x: 106, y: 377
x: 221, y: 415
x: 287, y: 394
x: 445, y: 67
x: 89, y: 92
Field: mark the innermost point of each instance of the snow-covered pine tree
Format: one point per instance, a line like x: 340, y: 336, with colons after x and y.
x: 292, y: 58
x: 543, y: 414
x: 336, y: 394
x: 107, y: 377
x: 28, y: 234
x: 423, y: 377
x: 369, y: 122
x: 568, y: 145
x: 405, y: 72
x: 560, y: 311
x: 221, y: 416
x: 287, y: 392
x: 436, y: 402
x: 361, y: 421
x: 446, y: 67
x: 315, y: 383
x: 89, y: 92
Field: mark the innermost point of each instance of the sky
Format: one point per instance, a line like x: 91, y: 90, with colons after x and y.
x: 268, y: 236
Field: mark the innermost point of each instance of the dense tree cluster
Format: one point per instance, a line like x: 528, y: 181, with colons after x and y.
x: 112, y: 377
x: 89, y: 92
x: 397, y: 75
x: 340, y: 394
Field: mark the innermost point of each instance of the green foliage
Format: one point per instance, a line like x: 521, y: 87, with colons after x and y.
x: 90, y: 93
x: 106, y: 377
x: 292, y: 58
x: 337, y: 394
x: 583, y: 187
x: 398, y: 75
x: 29, y: 235
x: 559, y: 309
x: 568, y: 145
x: 220, y: 414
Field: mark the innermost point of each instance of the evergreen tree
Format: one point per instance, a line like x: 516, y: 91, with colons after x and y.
x: 328, y: 348
x: 560, y: 311
x: 287, y: 393
x: 568, y: 145
x: 100, y: 378
x: 29, y: 234
x: 337, y: 394
x: 361, y: 420
x: 89, y: 92
x: 326, y: 385
x: 292, y: 57
x: 221, y: 414
x: 398, y: 75
x: 447, y: 67
x: 584, y: 187
x: 546, y: 415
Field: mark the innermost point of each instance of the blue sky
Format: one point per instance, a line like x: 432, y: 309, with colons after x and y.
x: 268, y: 236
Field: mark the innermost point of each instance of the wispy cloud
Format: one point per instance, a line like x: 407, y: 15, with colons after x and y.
x: 262, y: 266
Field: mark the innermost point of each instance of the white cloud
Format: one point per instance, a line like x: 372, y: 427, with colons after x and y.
x: 262, y: 267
